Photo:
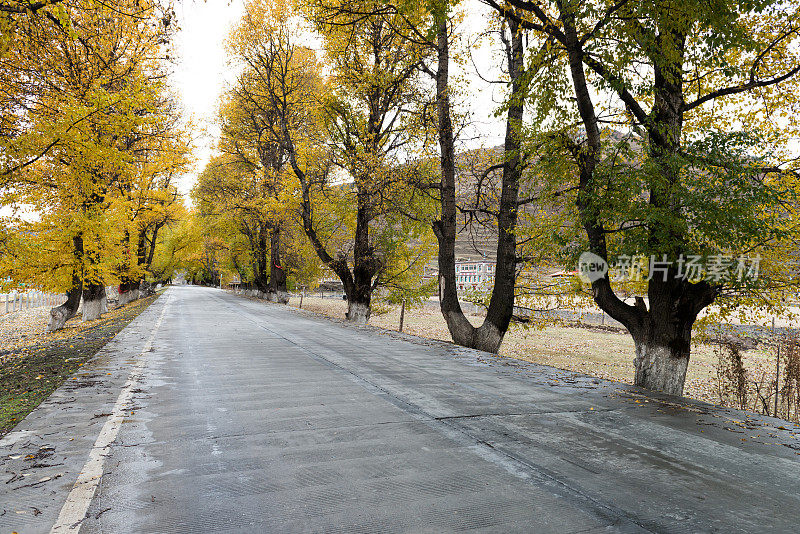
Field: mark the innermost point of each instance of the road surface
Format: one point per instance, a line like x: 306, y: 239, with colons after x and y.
x: 214, y: 413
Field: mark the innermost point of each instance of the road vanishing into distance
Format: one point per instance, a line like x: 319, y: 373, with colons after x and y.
x: 215, y: 413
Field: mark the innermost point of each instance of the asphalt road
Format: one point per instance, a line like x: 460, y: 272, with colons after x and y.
x: 213, y: 413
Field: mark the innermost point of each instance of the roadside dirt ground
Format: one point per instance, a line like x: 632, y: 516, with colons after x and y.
x: 34, y: 362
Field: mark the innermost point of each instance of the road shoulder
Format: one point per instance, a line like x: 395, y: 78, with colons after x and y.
x: 42, y: 457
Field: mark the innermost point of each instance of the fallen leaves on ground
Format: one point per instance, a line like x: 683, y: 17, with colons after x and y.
x: 34, y: 362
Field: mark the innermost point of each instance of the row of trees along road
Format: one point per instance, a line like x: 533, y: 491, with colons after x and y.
x: 91, y: 143
x: 293, y: 136
x: 652, y: 128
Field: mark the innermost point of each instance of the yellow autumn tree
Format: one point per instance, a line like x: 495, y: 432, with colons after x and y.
x: 98, y: 117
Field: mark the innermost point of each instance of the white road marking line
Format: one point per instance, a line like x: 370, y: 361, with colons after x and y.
x: 80, y: 496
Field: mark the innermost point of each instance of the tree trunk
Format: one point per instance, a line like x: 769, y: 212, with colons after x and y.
x: 94, y: 297
x: 501, y: 304
x: 63, y: 313
x: 489, y: 335
x: 128, y: 292
x: 358, y: 312
x: 662, y: 334
x: 663, y: 348
x: 663, y: 345
x: 152, y: 248
x: 402, y: 315
x: 660, y: 367
x: 277, y: 274
x: 445, y: 228
x: 359, y: 293
x: 146, y: 289
x: 260, y: 271
x: 358, y: 284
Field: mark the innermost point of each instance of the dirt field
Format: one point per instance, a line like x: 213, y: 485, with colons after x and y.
x: 601, y: 353
x: 33, y: 362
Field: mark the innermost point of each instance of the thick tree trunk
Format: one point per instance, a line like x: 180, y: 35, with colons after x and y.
x: 660, y: 367
x: 144, y: 258
x: 128, y: 292
x: 94, y: 297
x: 501, y: 304
x: 359, y: 293
x: 662, y: 334
x: 63, y: 313
x: 258, y: 244
x: 358, y: 312
x: 146, y: 289
x: 277, y: 291
x: 129, y: 288
x: 445, y: 228
x: 152, y: 247
x: 126, y: 297
x: 663, y: 345
x: 489, y: 335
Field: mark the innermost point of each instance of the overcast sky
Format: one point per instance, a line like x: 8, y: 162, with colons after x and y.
x: 202, y: 73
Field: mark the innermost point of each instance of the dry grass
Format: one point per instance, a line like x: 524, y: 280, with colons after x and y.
x: 602, y: 353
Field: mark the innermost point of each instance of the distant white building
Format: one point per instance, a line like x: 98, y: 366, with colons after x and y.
x: 474, y: 274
